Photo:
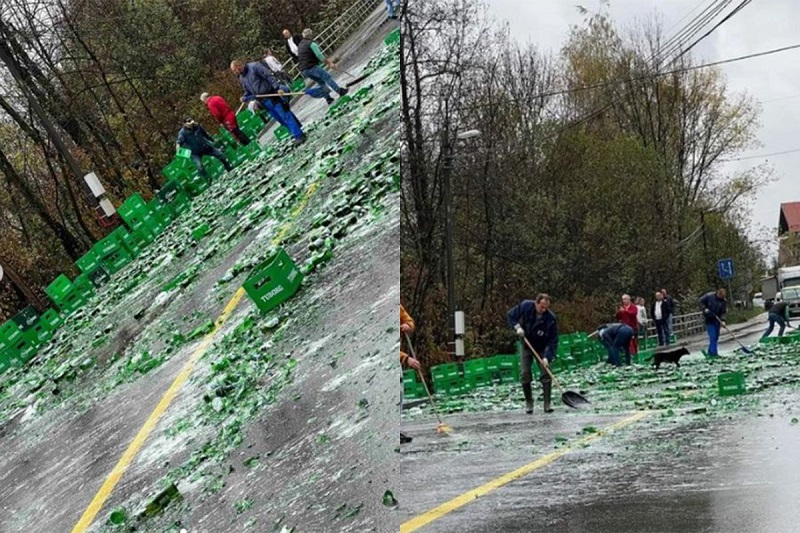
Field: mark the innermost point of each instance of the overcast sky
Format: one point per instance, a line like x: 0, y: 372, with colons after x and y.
x: 762, y: 25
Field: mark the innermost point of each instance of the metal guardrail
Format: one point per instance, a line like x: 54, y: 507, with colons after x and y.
x: 682, y: 325
x: 338, y: 31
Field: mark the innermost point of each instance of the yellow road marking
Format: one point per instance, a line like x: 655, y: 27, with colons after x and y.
x: 138, y: 441
x: 460, y: 501
x: 116, y: 474
x: 302, y: 205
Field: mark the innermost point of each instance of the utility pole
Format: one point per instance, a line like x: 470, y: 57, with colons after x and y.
x: 447, y: 169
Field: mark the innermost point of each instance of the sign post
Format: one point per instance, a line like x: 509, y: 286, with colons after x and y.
x: 726, y: 272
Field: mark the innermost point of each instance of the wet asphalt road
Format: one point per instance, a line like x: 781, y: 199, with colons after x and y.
x: 686, y: 474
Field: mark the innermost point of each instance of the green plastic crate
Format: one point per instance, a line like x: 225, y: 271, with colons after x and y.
x: 445, y: 371
x: 52, y: 319
x: 281, y: 133
x: 88, y: 262
x: 410, y: 377
x: 60, y: 287
x: 117, y: 260
x: 10, y: 332
x: 273, y: 281
x: 731, y: 384
x: 392, y: 38
x: 26, y: 318
x: 298, y: 85
x: 184, y: 153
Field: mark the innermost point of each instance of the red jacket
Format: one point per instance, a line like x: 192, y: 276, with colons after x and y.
x: 628, y: 316
x: 221, y: 111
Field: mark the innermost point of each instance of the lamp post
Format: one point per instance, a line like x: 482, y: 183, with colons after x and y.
x: 448, y: 232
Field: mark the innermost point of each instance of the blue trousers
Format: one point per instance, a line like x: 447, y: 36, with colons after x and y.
x: 323, y: 79
x: 773, y: 318
x: 283, y: 116
x: 390, y: 7
x: 713, y: 338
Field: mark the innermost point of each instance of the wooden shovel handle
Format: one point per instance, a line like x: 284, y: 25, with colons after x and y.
x: 541, y: 363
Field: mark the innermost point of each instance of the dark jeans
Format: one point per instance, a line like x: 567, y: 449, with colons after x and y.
x: 773, y: 318
x: 239, y: 135
x: 622, y: 342
x: 526, y: 368
x: 662, y: 330
x: 197, y: 158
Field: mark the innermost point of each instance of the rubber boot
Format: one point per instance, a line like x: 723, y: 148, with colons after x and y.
x: 526, y: 390
x: 547, y: 392
x: 405, y: 439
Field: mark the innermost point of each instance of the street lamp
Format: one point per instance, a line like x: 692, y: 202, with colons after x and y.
x: 448, y: 232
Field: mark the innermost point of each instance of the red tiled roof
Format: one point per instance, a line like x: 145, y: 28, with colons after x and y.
x: 790, y: 217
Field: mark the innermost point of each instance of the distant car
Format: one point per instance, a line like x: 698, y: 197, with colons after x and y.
x: 790, y: 295
x: 758, y: 301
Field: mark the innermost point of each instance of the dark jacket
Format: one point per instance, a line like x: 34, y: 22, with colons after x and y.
x: 666, y: 309
x: 196, y: 139
x: 610, y: 332
x: 306, y: 58
x: 297, y: 40
x: 257, y: 78
x: 718, y: 306
x: 541, y: 331
x: 780, y: 309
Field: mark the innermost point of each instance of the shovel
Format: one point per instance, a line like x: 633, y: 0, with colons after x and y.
x: 355, y: 80
x: 744, y: 348
x: 570, y: 398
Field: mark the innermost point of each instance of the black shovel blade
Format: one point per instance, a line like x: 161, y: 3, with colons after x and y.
x: 574, y: 400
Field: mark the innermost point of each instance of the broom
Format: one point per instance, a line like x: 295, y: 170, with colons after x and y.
x: 442, y: 427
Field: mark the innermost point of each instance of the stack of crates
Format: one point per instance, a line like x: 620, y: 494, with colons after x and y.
x: 503, y: 368
x: 67, y: 295
x: 476, y: 373
x: 112, y: 253
x: 137, y: 217
x: 174, y: 198
x: 160, y: 216
x: 250, y: 124
x: 448, y: 380
x: 412, y: 388
x: 10, y: 338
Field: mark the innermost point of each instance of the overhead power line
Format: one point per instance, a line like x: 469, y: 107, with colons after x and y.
x: 760, y: 156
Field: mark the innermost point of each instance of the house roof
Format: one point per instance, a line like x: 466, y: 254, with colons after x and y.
x: 789, y: 218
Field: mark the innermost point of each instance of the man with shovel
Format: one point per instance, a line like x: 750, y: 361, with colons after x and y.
x: 225, y: 116
x: 715, y: 307
x: 258, y: 80
x: 534, y: 321
x: 309, y: 61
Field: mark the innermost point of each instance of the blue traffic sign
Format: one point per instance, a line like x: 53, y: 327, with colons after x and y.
x: 725, y: 267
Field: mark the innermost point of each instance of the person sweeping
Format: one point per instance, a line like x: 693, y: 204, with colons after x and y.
x: 224, y: 116
x: 256, y: 79
x: 406, y: 328
x: 533, y: 320
x: 778, y: 314
x: 715, y: 308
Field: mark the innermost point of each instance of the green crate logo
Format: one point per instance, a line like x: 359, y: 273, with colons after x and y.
x: 274, y: 292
